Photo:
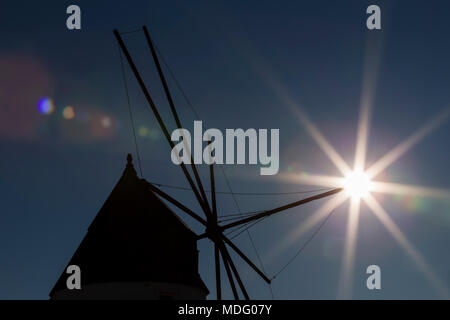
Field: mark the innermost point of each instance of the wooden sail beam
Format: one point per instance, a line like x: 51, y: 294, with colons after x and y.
x: 173, y: 109
x: 261, y: 215
x: 230, y: 276
x: 213, y: 230
x: 158, y: 117
x: 213, y: 193
x: 217, y: 262
x: 236, y: 273
x: 176, y: 203
x: 214, y: 219
x: 279, y: 209
x: 245, y: 258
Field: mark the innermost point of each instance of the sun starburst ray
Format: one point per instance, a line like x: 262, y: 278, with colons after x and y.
x: 411, y: 190
x: 407, y: 144
x: 348, y: 261
x: 321, y: 213
x: 321, y: 141
x: 275, y: 85
x: 353, y: 178
x: 412, y: 252
x: 362, y: 136
x: 312, y: 180
x: 371, y: 68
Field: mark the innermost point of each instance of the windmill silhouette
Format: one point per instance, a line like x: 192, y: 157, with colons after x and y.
x: 135, y: 248
x: 213, y: 229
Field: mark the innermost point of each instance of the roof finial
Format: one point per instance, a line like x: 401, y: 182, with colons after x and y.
x: 129, y: 169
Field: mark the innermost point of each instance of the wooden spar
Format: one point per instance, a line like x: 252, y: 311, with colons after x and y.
x: 282, y: 208
x: 173, y: 109
x: 227, y: 268
x: 217, y: 262
x: 158, y: 117
x: 213, y: 230
x: 236, y: 273
x: 164, y: 195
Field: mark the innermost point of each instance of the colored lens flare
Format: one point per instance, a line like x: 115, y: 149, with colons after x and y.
x: 144, y: 131
x: 106, y: 122
x: 154, y: 134
x: 68, y: 113
x: 46, y: 106
x: 24, y: 81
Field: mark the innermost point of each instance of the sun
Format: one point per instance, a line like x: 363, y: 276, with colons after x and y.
x: 360, y: 186
x: 357, y: 184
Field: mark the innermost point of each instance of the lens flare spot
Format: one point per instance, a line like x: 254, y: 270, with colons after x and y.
x: 144, y: 131
x: 106, y: 122
x: 154, y: 134
x: 46, y: 106
x: 68, y: 113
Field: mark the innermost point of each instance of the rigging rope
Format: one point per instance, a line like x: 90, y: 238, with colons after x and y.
x: 237, y: 216
x: 250, y: 224
x: 243, y: 193
x: 303, y: 246
x: 129, y: 111
x: 244, y: 227
x: 131, y: 31
x: 223, y: 171
x: 176, y: 81
x: 248, y: 232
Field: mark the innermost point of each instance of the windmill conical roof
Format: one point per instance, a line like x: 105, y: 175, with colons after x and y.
x: 136, y: 237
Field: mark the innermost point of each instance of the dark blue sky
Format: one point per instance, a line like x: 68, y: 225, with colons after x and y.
x: 55, y: 173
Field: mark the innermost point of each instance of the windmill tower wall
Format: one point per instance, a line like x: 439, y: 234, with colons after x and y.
x: 132, y: 291
x: 135, y: 248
